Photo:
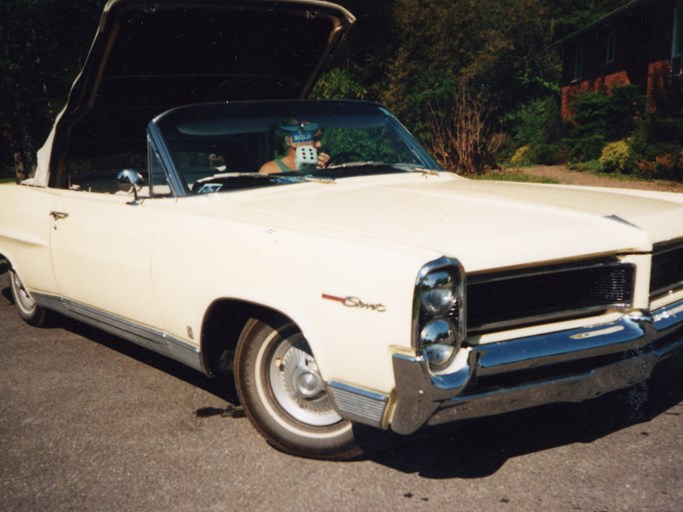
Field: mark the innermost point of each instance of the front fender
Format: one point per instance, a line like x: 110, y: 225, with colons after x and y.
x: 351, y: 300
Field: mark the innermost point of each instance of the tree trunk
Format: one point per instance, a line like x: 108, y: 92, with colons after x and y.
x: 24, y: 153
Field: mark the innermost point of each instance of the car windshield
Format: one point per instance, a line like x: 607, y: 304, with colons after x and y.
x: 232, y: 146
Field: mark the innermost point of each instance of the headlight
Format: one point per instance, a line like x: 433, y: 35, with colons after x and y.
x: 439, y: 315
x: 438, y: 292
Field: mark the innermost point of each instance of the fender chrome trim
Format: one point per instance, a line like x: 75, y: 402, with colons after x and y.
x: 146, y: 337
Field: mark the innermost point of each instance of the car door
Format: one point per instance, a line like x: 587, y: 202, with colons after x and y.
x: 101, y: 253
x: 25, y: 233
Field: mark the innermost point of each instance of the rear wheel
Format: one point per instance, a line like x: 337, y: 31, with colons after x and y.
x: 28, y: 310
x: 283, y: 394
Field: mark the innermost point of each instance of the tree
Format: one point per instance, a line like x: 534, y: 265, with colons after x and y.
x: 494, y: 47
x: 42, y: 46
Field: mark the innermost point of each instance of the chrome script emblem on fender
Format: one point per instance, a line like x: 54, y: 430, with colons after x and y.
x: 355, y: 302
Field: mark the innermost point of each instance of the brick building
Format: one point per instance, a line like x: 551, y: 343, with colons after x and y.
x: 640, y: 43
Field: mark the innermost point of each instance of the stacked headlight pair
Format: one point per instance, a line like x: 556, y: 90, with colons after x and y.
x: 439, y: 326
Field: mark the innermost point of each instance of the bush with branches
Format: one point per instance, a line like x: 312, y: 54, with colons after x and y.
x: 462, y: 141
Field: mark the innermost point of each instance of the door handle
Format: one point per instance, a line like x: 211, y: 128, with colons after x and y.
x: 59, y: 215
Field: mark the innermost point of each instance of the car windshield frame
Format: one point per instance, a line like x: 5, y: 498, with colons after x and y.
x: 254, y: 129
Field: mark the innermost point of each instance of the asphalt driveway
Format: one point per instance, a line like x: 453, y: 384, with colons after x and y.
x: 90, y: 422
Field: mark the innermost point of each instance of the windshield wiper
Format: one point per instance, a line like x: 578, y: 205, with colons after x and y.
x: 400, y: 166
x: 316, y: 179
x: 220, y: 175
x: 426, y: 171
x: 359, y: 164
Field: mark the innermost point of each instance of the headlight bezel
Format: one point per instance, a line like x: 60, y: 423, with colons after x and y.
x: 439, y: 298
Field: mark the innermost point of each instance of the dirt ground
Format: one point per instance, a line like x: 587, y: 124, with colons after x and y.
x: 565, y: 176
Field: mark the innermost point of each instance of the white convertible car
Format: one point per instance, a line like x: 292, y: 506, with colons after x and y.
x: 357, y: 284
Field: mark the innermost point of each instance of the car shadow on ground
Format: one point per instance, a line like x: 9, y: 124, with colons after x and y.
x: 478, y: 448
x: 224, y: 389
x: 468, y: 449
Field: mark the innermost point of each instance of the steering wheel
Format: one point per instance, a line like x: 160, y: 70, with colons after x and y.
x: 344, y: 157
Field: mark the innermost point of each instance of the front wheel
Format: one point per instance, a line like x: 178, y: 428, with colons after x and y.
x: 283, y: 394
x: 28, y: 310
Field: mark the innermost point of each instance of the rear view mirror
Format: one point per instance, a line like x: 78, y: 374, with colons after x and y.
x: 130, y: 180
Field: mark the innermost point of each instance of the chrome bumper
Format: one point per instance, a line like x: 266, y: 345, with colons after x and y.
x: 566, y: 366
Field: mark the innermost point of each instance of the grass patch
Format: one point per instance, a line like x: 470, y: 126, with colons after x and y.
x: 518, y: 177
x: 592, y: 166
x: 7, y: 174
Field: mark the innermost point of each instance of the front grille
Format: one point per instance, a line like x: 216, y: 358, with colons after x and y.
x: 667, y: 268
x: 542, y: 294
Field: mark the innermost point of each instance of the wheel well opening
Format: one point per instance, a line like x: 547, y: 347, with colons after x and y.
x: 4, y: 264
x: 222, y: 327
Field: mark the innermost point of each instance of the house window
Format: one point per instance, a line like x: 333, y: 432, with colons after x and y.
x: 677, y: 43
x: 578, y: 61
x: 611, y: 46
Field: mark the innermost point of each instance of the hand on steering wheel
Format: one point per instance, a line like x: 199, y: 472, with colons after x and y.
x: 344, y: 157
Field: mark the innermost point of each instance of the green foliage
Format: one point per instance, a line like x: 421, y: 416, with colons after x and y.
x: 626, y: 106
x: 616, y: 158
x: 537, y: 126
x: 666, y: 166
x: 601, y: 118
x: 588, y: 147
x: 518, y: 177
x: 42, y: 46
x: 338, y: 84
x: 521, y: 156
x: 412, y: 55
x: 548, y: 153
x: 568, y: 16
x: 612, y: 115
x: 369, y: 143
x: 657, y: 146
x: 585, y: 166
x: 527, y: 122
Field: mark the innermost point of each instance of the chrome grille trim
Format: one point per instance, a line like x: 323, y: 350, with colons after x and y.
x: 530, y: 296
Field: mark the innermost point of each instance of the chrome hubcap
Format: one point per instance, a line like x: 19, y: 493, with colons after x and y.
x: 308, y: 383
x: 297, y: 385
x: 25, y: 301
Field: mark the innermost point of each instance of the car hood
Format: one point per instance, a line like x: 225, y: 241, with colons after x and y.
x: 484, y: 224
x: 147, y: 57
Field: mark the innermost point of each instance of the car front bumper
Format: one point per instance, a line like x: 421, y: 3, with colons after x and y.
x: 566, y: 366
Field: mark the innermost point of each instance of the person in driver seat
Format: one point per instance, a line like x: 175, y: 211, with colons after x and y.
x: 299, y: 138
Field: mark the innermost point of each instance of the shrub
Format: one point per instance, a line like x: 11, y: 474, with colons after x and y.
x: 536, y: 122
x: 462, y: 140
x: 520, y: 156
x: 586, y: 148
x: 547, y: 154
x: 613, y: 116
x: 590, y: 115
x: 601, y: 118
x: 666, y: 166
x: 616, y: 157
x: 626, y: 106
x: 337, y: 84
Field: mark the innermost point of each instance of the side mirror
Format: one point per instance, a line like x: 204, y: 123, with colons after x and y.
x: 130, y: 180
